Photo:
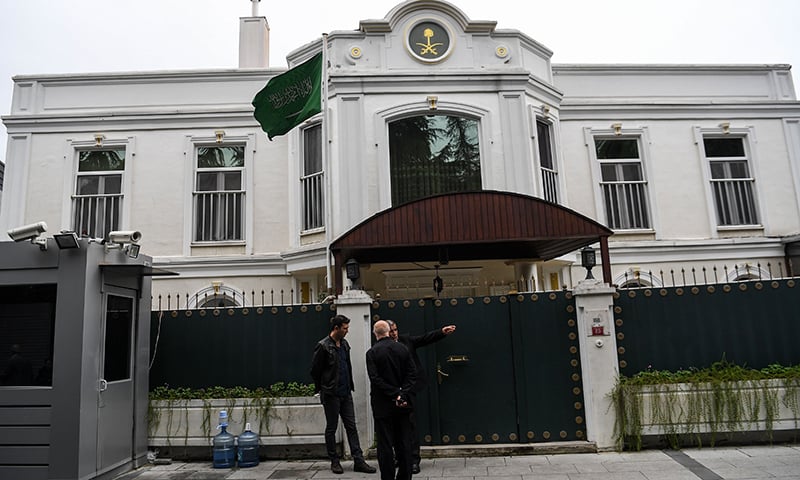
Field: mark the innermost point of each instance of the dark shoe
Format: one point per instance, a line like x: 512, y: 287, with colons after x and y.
x: 415, y: 468
x: 336, y: 467
x: 359, y: 465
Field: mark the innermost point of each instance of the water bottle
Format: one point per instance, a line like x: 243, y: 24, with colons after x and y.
x: 248, y: 448
x: 224, y: 450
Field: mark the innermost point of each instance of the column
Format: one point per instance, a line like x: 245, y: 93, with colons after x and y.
x: 355, y: 305
x: 594, y: 303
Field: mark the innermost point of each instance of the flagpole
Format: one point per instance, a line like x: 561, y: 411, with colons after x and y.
x: 326, y: 164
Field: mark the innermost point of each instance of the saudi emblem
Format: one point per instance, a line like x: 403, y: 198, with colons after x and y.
x: 428, y: 41
x: 428, y: 47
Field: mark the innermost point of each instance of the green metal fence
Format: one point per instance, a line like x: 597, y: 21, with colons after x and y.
x: 753, y: 324
x: 228, y: 347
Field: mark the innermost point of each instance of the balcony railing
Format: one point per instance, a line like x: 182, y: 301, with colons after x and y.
x: 734, y: 201
x: 550, y: 185
x: 96, y: 215
x: 218, y: 216
x: 313, y: 201
x: 626, y: 205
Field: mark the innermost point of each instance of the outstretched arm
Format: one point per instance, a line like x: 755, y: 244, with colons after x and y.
x: 432, y: 336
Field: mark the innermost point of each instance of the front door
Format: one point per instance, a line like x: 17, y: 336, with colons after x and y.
x: 474, y: 377
x: 470, y: 397
x: 510, y: 373
x: 115, y: 399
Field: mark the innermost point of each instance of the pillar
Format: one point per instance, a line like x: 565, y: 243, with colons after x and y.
x: 523, y: 274
x: 355, y: 305
x: 594, y: 303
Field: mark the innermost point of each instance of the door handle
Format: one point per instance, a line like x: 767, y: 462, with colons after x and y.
x: 457, y: 359
x: 440, y: 374
x: 103, y: 385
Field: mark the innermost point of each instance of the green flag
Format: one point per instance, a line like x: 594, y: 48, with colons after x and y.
x: 290, y: 98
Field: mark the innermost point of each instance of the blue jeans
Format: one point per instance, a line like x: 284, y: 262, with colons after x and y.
x: 335, y: 407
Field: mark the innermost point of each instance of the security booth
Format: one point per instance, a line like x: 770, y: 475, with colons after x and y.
x: 74, y: 352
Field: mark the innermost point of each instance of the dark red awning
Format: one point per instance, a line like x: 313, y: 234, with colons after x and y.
x: 471, y: 226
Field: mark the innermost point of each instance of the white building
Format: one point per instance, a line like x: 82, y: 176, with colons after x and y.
x: 691, y: 166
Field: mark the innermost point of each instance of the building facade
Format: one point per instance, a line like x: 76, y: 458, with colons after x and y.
x: 691, y: 166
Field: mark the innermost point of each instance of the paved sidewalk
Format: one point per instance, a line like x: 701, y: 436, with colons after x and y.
x: 742, y: 463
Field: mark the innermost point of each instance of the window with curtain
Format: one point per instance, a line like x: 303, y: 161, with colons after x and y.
x: 731, y: 184
x: 97, y: 202
x: 219, y: 194
x: 433, y: 154
x: 312, y: 179
x: 622, y: 182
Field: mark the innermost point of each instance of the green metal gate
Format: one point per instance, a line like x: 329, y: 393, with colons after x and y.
x: 510, y: 372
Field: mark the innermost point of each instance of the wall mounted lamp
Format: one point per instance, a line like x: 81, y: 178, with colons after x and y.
x: 352, y: 270
x: 220, y: 134
x: 588, y: 260
x: 433, y: 102
x: 132, y: 250
x: 726, y: 127
x: 545, y: 109
x: 66, y: 240
x: 98, y: 139
x: 617, y: 128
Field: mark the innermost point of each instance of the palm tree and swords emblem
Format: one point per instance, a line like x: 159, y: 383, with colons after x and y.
x: 428, y: 39
x: 428, y: 47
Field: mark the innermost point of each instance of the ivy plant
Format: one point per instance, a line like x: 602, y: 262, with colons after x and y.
x: 257, y: 403
x: 723, y: 397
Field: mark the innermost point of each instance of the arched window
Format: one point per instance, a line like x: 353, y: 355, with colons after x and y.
x: 433, y: 154
x: 217, y: 296
x: 637, y: 279
x: 746, y: 272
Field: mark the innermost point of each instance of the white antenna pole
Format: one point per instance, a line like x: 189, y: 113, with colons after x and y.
x: 255, y: 7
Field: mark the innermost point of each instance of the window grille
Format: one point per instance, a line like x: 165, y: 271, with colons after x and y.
x: 622, y: 183
x: 547, y: 163
x: 97, y: 202
x: 218, y: 195
x: 433, y: 154
x: 312, y: 181
x: 731, y: 183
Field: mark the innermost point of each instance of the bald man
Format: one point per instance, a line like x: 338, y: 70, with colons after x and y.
x: 412, y: 343
x: 392, y: 375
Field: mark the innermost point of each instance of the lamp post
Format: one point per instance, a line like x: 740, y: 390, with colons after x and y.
x: 353, y: 271
x: 588, y: 260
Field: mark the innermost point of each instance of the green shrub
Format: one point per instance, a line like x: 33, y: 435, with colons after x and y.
x: 279, y: 389
x: 724, y: 397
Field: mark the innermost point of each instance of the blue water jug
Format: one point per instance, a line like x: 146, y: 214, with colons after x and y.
x: 224, y: 449
x: 248, y: 448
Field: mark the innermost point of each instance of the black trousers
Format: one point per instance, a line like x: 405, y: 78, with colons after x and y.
x: 415, y: 458
x: 393, y: 434
x: 335, y: 407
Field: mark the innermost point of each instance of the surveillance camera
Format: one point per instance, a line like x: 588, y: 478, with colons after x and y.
x: 125, y: 236
x: 27, y: 232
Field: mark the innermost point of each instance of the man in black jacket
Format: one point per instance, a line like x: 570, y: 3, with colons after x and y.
x: 333, y: 379
x: 392, y: 374
x: 412, y: 342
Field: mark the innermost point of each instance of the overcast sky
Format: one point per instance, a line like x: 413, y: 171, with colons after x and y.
x: 74, y: 36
